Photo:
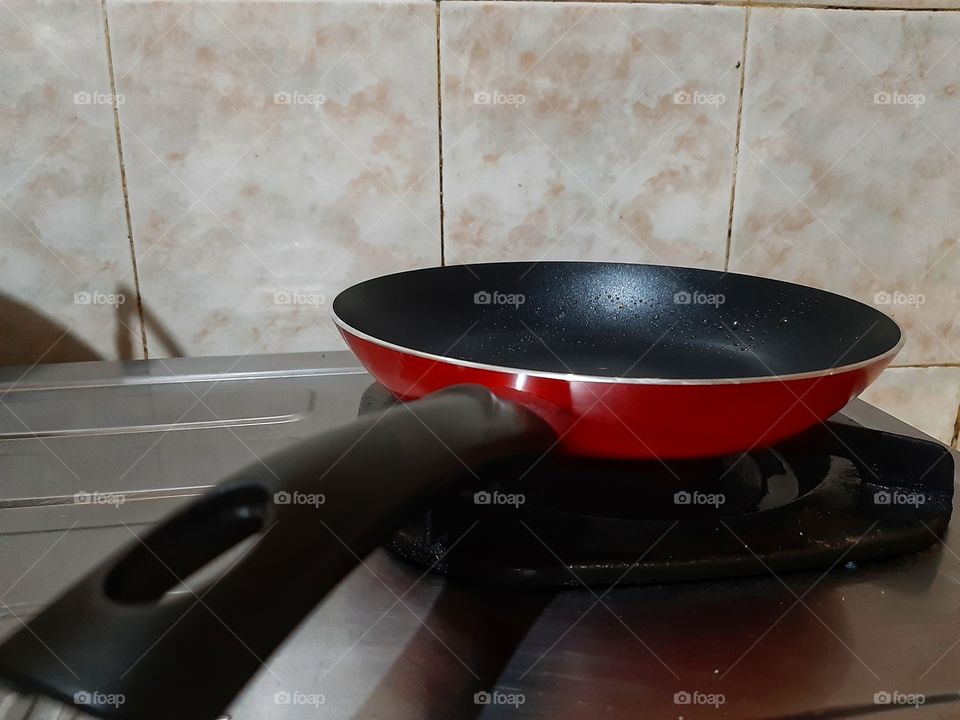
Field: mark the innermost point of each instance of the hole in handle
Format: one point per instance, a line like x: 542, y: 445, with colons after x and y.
x: 181, y: 547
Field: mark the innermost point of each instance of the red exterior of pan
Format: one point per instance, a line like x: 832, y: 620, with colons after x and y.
x: 630, y: 418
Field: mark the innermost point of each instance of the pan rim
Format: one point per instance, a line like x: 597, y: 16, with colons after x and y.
x: 606, y: 379
x: 575, y: 377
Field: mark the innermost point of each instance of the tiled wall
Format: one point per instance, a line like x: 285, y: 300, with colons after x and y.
x: 202, y: 177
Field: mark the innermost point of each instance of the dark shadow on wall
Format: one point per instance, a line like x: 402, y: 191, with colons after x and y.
x: 27, y: 336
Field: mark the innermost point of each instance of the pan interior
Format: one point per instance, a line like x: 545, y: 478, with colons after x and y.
x: 617, y: 320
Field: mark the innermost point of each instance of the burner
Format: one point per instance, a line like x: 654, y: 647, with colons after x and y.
x: 838, y: 492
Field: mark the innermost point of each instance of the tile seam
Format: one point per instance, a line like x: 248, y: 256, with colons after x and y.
x: 123, y: 176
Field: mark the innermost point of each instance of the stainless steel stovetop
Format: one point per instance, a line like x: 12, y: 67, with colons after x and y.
x: 138, y: 439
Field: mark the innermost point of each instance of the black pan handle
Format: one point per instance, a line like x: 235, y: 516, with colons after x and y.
x: 119, y: 646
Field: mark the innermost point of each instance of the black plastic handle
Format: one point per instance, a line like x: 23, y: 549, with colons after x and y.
x: 318, y: 506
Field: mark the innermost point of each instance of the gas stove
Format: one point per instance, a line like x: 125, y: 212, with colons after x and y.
x: 818, y: 578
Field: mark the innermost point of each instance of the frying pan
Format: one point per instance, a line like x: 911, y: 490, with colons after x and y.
x: 624, y: 361
x: 495, y: 360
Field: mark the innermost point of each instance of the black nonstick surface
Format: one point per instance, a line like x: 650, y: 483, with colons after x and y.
x: 617, y: 320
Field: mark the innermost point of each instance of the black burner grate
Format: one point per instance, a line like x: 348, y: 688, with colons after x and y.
x: 838, y: 492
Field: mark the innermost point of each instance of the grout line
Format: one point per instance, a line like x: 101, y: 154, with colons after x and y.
x: 734, y: 3
x: 443, y: 257
x: 123, y: 177
x: 736, y: 143
x: 956, y: 430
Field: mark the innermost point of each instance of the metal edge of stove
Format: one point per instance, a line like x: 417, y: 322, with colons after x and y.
x: 109, y: 373
x: 871, y: 416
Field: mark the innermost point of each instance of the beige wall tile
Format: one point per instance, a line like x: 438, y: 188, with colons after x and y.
x: 926, y: 398
x: 61, y: 203
x: 276, y: 153
x: 849, y: 163
x: 564, y: 136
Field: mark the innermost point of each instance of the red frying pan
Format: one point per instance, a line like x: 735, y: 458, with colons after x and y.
x: 624, y: 361
x: 596, y: 359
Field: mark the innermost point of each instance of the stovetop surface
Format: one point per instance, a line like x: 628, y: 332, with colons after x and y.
x: 393, y: 641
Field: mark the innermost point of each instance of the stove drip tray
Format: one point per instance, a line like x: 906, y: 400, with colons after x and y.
x: 839, y: 492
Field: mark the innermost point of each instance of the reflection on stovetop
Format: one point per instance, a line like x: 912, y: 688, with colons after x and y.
x: 839, y: 492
